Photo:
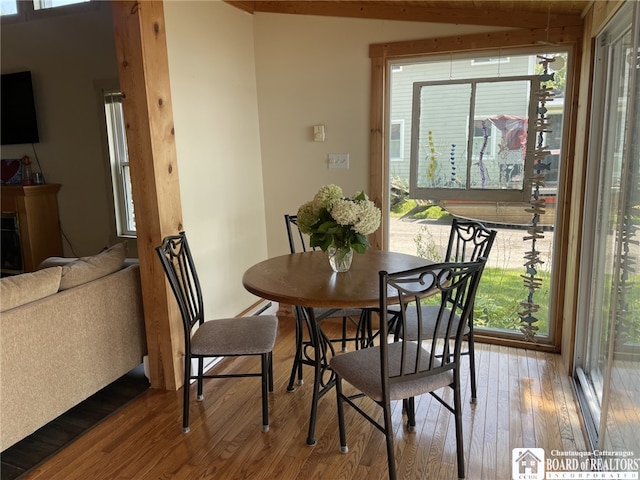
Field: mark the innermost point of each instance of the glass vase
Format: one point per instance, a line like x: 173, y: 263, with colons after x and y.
x: 340, y: 258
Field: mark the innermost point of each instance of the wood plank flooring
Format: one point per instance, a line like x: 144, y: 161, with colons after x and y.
x: 524, y: 400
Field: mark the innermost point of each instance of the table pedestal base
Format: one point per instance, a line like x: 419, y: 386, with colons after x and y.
x: 316, y: 352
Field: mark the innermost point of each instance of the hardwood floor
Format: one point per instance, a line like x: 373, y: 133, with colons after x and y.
x: 523, y: 401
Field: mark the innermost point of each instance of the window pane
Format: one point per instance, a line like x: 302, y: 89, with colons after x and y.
x: 130, y: 217
x: 503, y: 107
x: 396, y: 139
x: 8, y: 7
x: 608, y: 328
x: 491, y: 113
x: 489, y: 60
x: 441, y: 139
x: 484, y: 137
x: 119, y: 162
x: 42, y: 4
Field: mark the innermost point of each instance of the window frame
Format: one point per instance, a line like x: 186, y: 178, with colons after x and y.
x: 383, y: 54
x: 468, y: 192
x: 119, y: 165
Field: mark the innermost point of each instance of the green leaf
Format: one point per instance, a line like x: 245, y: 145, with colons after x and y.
x: 363, y: 240
x: 360, y: 196
x: 324, y: 227
x: 358, y: 247
x: 326, y: 243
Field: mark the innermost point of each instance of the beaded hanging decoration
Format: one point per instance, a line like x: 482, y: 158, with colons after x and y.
x: 528, y: 307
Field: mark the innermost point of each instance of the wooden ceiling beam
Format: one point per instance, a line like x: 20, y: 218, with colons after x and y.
x: 474, y: 13
x: 479, y: 41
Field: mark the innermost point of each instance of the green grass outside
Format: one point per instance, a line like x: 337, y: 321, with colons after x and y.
x: 402, y: 208
x: 501, y: 291
x: 431, y: 212
x: 498, y: 300
x: 499, y: 295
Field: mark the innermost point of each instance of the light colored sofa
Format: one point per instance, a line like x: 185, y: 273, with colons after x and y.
x: 66, y: 331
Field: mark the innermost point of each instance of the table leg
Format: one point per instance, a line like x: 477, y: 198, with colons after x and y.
x: 364, y: 335
x: 297, y: 362
x: 319, y: 361
x: 317, y: 376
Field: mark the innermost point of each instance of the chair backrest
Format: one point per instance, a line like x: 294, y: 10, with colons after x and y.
x: 468, y: 241
x: 451, y: 288
x: 178, y: 265
x: 296, y: 238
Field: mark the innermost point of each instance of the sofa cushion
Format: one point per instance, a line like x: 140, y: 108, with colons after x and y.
x: 29, y: 287
x: 56, y: 262
x: 87, y: 269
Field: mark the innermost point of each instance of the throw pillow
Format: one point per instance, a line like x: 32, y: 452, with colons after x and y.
x: 28, y: 287
x: 87, y: 269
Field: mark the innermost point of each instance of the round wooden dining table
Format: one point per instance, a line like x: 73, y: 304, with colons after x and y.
x: 306, y: 281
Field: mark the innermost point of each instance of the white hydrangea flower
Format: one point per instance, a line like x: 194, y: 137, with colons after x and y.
x: 326, y: 196
x: 368, y: 219
x: 345, y: 211
x: 307, y: 216
x: 348, y: 219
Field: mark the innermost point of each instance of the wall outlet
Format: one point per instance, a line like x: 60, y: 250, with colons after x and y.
x: 338, y: 160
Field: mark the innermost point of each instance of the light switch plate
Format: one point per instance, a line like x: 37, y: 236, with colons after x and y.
x: 338, y: 160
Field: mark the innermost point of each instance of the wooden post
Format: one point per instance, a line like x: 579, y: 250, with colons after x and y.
x: 379, y: 170
x: 144, y: 81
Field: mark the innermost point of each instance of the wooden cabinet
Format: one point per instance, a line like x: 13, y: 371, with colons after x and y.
x: 35, y: 207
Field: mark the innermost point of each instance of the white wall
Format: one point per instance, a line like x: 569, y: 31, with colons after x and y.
x: 246, y: 91
x: 316, y: 70
x: 213, y: 90
x: 67, y: 54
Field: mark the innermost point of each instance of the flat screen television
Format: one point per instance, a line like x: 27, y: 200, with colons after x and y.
x: 18, y: 122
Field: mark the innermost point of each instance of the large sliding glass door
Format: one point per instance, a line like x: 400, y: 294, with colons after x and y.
x: 608, y: 333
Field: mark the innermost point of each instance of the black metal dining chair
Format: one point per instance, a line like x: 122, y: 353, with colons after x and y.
x: 468, y: 241
x: 298, y: 242
x: 228, y: 337
x: 406, y: 368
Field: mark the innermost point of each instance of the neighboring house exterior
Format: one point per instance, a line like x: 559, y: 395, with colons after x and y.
x: 499, y: 123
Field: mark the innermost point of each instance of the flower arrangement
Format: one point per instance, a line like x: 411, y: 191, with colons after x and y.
x: 332, y: 220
